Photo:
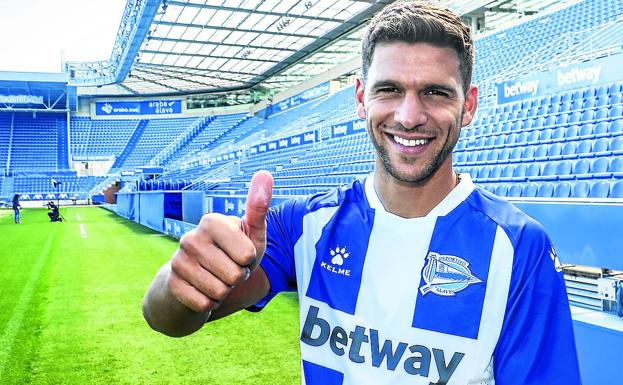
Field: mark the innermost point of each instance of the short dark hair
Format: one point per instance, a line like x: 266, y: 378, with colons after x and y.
x: 420, y: 22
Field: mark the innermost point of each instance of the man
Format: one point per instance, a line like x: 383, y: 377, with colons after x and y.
x: 411, y: 276
x: 54, y: 213
x: 16, y: 208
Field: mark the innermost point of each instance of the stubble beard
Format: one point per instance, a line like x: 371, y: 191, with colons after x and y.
x: 429, y: 169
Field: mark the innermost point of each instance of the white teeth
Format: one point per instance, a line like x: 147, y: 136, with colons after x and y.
x: 410, y: 142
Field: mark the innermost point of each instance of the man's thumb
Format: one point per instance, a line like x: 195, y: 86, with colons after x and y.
x: 258, y: 201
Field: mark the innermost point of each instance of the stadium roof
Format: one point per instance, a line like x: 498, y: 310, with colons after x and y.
x: 192, y: 46
x: 175, y: 47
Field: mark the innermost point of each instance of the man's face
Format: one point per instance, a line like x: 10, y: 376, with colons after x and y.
x: 414, y: 105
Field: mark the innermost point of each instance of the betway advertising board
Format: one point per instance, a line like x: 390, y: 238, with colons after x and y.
x: 595, y: 72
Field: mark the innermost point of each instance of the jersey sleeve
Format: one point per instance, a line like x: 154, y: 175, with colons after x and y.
x: 283, y: 228
x: 537, y: 344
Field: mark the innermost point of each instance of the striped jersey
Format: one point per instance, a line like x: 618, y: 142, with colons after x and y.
x: 472, y: 293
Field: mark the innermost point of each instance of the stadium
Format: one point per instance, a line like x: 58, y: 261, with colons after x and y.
x: 198, y: 95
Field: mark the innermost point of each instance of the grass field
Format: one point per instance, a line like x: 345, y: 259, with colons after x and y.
x: 70, y: 312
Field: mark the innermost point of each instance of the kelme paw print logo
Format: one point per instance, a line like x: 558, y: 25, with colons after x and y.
x: 339, y: 254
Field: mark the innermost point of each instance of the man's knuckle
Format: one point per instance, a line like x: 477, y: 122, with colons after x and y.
x: 233, y: 276
x: 248, y: 256
x: 220, y: 291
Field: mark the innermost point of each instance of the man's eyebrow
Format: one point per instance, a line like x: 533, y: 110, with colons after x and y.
x: 384, y: 83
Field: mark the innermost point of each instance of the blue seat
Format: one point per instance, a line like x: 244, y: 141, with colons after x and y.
x: 581, y: 168
x: 599, y: 189
x: 615, y: 166
x: 504, y: 155
x: 601, y: 101
x: 572, y: 131
x: 614, y: 88
x: 614, y: 99
x: 564, y: 169
x: 528, y: 152
x: 515, y: 153
x: 580, y: 189
x: 562, y: 120
x: 501, y: 189
x: 541, y: 151
x: 586, y: 129
x: 533, y: 136
x: 616, y: 126
x: 587, y: 116
x: 499, y: 140
x: 585, y: 148
x: 553, y: 109
x: 554, y: 151
x: 529, y: 190
x: 599, y: 167
x: 507, y: 172
x: 601, y: 90
x: 495, y: 173
x: 545, y: 136
x: 616, y: 189
x: 538, y: 122
x: 569, y: 149
x: 483, y: 172
x: 600, y: 145
x: 550, y: 121
x: 511, y: 138
x: 549, y: 171
x: 514, y: 190
x: 562, y: 190
x: 616, y: 145
x: 601, y: 129
x: 534, y: 169
x: 616, y: 112
x: 546, y: 190
x: 576, y: 105
x: 576, y: 95
x: 493, y: 155
x: 601, y: 113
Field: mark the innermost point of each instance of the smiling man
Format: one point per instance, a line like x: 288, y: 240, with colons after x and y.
x: 413, y: 276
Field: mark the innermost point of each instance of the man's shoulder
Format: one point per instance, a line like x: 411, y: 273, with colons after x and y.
x: 337, y: 196
x: 506, y: 215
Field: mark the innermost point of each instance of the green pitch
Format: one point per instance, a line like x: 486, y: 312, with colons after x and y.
x: 70, y: 312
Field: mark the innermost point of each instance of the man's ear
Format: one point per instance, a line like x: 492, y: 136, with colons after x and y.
x: 469, y: 106
x: 359, y: 99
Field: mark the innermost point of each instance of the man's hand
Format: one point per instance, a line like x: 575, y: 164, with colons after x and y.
x: 221, y: 252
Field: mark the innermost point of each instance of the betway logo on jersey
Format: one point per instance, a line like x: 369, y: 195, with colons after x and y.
x: 413, y: 358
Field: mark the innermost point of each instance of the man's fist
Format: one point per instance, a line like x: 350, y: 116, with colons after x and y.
x: 222, y: 251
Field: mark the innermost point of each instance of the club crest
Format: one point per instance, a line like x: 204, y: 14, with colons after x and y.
x: 446, y: 274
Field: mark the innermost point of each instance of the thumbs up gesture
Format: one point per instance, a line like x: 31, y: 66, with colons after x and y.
x: 221, y: 253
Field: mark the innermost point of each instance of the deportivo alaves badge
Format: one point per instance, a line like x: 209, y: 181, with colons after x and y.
x: 446, y: 275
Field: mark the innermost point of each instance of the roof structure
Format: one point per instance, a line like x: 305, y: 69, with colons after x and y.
x: 194, y: 46
x: 245, y: 47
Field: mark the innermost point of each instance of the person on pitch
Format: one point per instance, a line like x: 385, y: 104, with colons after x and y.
x: 411, y: 276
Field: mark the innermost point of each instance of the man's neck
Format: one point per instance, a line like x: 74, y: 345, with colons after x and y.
x: 413, y: 200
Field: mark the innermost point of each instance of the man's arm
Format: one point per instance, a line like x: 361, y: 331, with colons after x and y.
x: 214, y: 271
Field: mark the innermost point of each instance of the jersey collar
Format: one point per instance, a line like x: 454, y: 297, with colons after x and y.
x: 453, y: 199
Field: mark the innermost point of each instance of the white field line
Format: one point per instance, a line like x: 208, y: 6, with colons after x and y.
x: 78, y: 217
x: 7, y: 339
x: 83, y: 232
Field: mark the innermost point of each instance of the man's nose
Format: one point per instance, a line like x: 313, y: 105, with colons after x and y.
x: 410, y: 112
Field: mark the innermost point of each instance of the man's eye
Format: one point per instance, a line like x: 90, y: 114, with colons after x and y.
x: 437, y: 93
x: 387, y: 90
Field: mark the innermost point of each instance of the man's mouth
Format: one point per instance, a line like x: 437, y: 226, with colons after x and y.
x: 410, y: 142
